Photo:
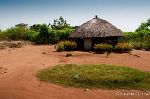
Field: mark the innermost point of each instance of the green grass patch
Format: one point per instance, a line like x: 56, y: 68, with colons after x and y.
x: 96, y: 76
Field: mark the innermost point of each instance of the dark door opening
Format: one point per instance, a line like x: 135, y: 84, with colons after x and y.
x: 80, y: 43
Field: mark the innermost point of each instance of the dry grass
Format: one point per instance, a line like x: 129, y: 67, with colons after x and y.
x: 13, y: 44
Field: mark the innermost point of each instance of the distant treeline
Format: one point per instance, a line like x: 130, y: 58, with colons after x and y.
x: 39, y: 33
x: 60, y: 30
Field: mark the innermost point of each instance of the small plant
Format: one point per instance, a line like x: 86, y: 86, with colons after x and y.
x: 123, y: 47
x: 68, y: 54
x: 65, y: 46
x: 103, y: 47
x: 59, y: 47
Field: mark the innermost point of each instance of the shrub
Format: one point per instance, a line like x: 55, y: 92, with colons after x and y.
x: 146, y: 46
x: 65, y: 45
x: 59, y: 47
x: 137, y: 46
x: 69, y: 45
x: 15, y: 33
x: 103, y: 47
x: 123, y: 47
x: 59, y: 35
x: 31, y: 35
x: 43, y: 36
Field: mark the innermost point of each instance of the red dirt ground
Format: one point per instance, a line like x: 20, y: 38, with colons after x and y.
x: 18, y: 68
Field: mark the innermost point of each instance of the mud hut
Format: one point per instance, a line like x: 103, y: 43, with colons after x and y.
x: 95, y: 31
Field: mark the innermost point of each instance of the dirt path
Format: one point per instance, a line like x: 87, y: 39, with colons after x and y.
x: 19, y: 66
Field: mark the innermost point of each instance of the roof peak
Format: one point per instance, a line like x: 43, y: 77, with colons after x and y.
x: 96, y: 16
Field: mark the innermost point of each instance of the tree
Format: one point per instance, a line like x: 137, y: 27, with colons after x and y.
x: 43, y: 35
x: 144, y: 26
x: 21, y: 25
x: 36, y: 27
x: 60, y: 23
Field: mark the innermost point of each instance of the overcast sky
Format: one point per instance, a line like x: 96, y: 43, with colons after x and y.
x: 125, y: 14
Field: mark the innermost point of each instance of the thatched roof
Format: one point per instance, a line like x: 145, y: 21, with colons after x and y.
x: 96, y: 28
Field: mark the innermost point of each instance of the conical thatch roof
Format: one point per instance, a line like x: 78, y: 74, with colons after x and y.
x: 96, y: 28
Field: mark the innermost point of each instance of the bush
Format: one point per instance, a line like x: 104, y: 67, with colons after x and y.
x: 31, y: 35
x: 59, y: 35
x: 43, y: 36
x: 146, y: 46
x: 15, y: 33
x: 137, y: 46
x: 103, y: 47
x: 123, y: 47
x: 65, y: 46
x: 59, y: 47
x: 69, y: 45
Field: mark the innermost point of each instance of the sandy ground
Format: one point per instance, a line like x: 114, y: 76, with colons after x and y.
x: 18, y: 68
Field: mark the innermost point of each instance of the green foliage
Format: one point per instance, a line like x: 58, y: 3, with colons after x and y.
x: 43, y: 36
x: 137, y: 45
x: 60, y: 23
x: 59, y: 47
x: 15, y: 33
x: 36, y: 27
x: 39, y: 33
x: 69, y: 45
x: 103, y: 47
x: 31, y: 35
x: 140, y: 36
x: 120, y: 47
x: 21, y: 25
x: 59, y: 35
x: 123, y: 47
x: 66, y: 46
x: 137, y: 39
x: 145, y: 26
x: 2, y: 36
x: 52, y: 36
x: 146, y: 46
x: 96, y: 76
x: 18, y: 33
